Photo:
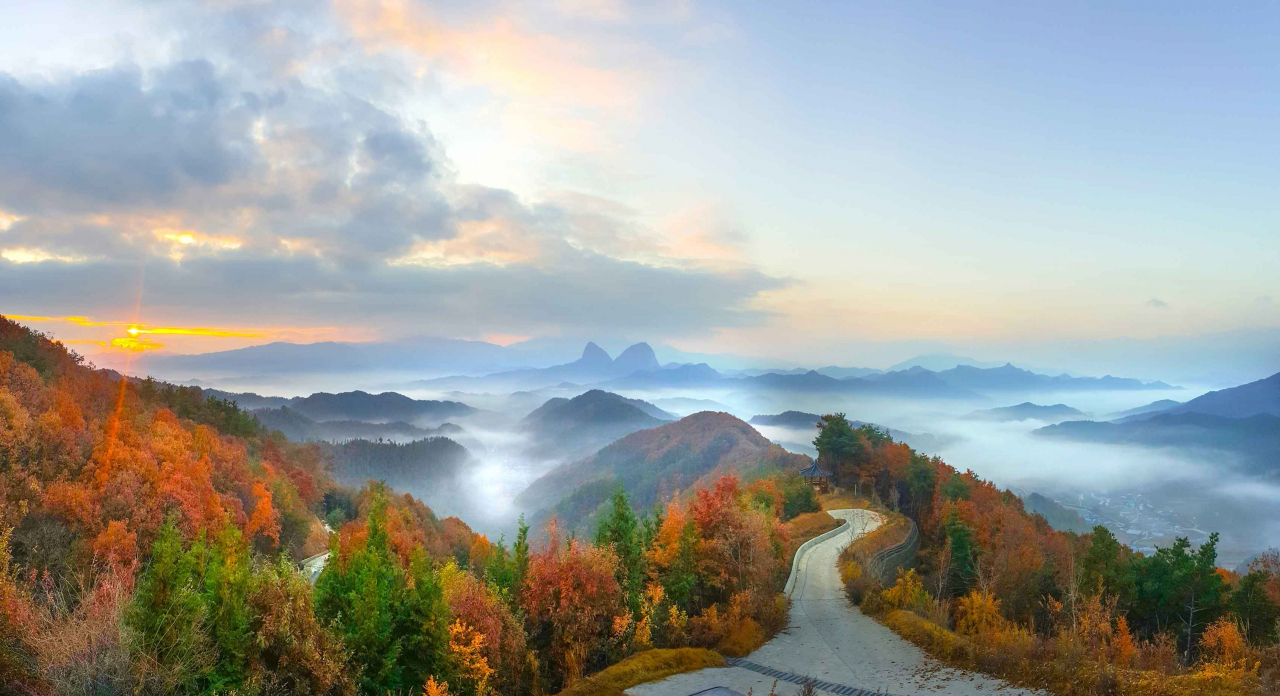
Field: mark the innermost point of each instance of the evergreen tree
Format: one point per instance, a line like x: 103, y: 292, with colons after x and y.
x: 838, y: 447
x: 681, y: 579
x: 227, y: 580
x: 425, y: 624
x: 1254, y: 609
x: 921, y: 478
x: 964, y: 555
x: 520, y: 559
x: 1180, y: 589
x: 620, y: 530
x: 168, y: 613
x: 1105, y: 567
x: 391, y: 620
x: 954, y: 488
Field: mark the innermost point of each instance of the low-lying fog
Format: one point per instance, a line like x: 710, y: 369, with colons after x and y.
x: 1154, y: 494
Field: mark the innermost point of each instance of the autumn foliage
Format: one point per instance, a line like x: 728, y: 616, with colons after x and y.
x: 149, y: 537
x: 996, y: 588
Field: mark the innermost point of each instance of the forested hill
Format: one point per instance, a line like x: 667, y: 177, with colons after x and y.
x: 112, y: 490
x: 434, y: 469
x: 299, y: 428
x: 652, y: 464
x: 149, y: 534
x: 567, y: 429
x: 387, y: 407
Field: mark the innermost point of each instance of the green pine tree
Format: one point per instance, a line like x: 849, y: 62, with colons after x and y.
x: 168, y: 614
x: 620, y: 529
x: 392, y: 620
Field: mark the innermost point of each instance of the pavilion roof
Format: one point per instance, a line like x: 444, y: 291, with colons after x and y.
x: 815, y: 471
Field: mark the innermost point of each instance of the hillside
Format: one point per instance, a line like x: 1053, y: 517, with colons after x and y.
x: 387, y: 407
x: 1153, y: 407
x: 788, y: 419
x: 299, y: 428
x: 567, y: 429
x: 150, y: 538
x: 1255, y: 440
x: 683, y: 405
x: 1058, y: 517
x: 433, y: 469
x: 1029, y: 411
x: 652, y: 464
x: 1254, y: 398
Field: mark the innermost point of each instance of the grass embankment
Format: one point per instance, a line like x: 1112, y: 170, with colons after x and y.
x: 1061, y: 666
x: 640, y: 668
x: 842, y: 499
x: 802, y: 528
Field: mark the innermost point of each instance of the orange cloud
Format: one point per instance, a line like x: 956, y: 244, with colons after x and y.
x: 32, y: 255
x: 137, y: 329
x: 8, y: 219
x: 78, y: 321
x: 517, y: 63
x: 503, y: 339
x: 543, y: 88
x: 496, y: 241
x: 131, y: 344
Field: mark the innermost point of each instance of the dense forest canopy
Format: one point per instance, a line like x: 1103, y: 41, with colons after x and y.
x: 150, y: 535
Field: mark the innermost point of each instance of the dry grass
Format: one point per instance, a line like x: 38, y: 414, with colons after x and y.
x: 805, y: 527
x: 891, y: 532
x: 743, y: 639
x: 842, y: 499
x: 647, y: 666
x: 1057, y: 668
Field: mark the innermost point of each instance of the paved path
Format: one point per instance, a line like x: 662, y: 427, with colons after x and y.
x: 832, y: 642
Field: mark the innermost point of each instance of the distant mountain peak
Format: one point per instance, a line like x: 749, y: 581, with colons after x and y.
x: 595, y: 355
x: 639, y: 357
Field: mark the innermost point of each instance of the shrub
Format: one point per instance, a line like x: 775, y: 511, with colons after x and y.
x: 978, y: 614
x: 742, y: 638
x: 933, y: 638
x: 1222, y: 642
x: 908, y: 593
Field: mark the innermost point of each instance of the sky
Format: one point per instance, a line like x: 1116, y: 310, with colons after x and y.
x: 834, y: 182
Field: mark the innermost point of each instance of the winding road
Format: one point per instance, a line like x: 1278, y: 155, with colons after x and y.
x: 831, y: 642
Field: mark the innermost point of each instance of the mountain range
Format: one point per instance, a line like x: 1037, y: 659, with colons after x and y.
x: 1255, y: 440
x: 299, y: 428
x: 1254, y: 398
x: 1029, y: 411
x: 387, y: 407
x: 651, y: 464
x: 594, y: 366
x: 1243, y: 421
x: 1153, y: 407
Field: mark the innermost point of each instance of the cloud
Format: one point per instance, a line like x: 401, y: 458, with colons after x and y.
x: 103, y: 139
x: 581, y: 292
x: 1155, y: 303
x: 263, y: 178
